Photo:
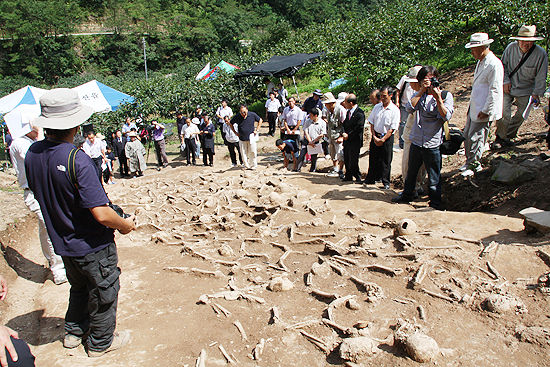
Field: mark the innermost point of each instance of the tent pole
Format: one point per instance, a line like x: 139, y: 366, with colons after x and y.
x: 295, y: 87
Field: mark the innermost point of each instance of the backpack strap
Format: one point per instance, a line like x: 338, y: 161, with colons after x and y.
x: 444, y: 94
x: 72, y: 167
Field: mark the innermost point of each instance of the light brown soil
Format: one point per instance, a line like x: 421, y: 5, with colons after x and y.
x: 170, y: 327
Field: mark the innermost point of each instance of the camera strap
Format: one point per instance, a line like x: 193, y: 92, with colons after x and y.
x: 522, y: 61
x: 72, y: 168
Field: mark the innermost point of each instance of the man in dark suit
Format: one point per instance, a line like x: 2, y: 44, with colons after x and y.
x: 353, y: 137
x: 119, y: 143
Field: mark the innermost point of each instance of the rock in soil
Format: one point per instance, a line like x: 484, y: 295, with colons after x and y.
x: 421, y: 347
x: 357, y: 349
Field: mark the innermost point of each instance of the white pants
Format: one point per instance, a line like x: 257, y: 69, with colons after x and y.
x: 55, y: 261
x: 249, y: 153
x: 476, y: 136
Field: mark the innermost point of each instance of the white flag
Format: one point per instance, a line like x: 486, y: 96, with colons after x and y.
x: 204, y: 71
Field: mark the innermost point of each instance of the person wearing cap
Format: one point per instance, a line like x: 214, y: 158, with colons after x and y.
x: 271, y: 112
x: 18, y: 151
x: 485, y: 101
x: 384, y: 121
x: 404, y: 94
x: 333, y: 114
x: 135, y: 152
x: 292, y: 119
x: 421, y: 177
x: 525, y: 70
x: 190, y: 136
x: 313, y: 102
x: 80, y: 223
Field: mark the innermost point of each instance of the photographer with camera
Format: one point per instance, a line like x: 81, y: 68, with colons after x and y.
x: 432, y: 108
x: 80, y: 223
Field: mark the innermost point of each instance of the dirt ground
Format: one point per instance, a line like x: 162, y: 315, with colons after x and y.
x: 219, y: 235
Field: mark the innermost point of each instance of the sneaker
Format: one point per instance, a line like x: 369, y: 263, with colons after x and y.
x: 386, y: 187
x: 327, y: 157
x: 120, y: 339
x: 468, y: 173
x: 233, y: 164
x: 499, y: 143
x: 333, y: 174
x: 71, y: 341
x: 464, y: 167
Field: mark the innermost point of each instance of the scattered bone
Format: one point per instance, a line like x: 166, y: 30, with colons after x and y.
x: 226, y: 355
x: 291, y: 233
x: 487, y: 272
x: 544, y: 256
x: 280, y: 284
x: 258, y: 349
x: 421, y: 347
x: 340, y: 301
x: 182, y: 269
x: 248, y: 223
x: 384, y: 269
x: 371, y: 223
x: 365, y: 240
x: 503, y: 303
x: 333, y: 220
x: 339, y: 270
x: 249, y: 239
x: 275, y: 315
x: 239, y: 326
x: 192, y: 252
x: 345, y: 330
x: 450, y: 247
x: 334, y: 248
x: 403, y: 301
x: 323, y: 294
x: 303, y: 324
x: 250, y: 297
x: 412, y: 257
x: 309, y: 279
x: 285, y: 248
x: 374, y: 291
x: 201, y: 360
x: 311, y: 241
x: 490, y: 247
x: 357, y: 349
x: 351, y: 214
x: 317, y: 342
x: 419, y: 276
x: 494, y: 271
x: 406, y: 226
x: 345, y: 259
x: 457, y: 238
x: 226, y: 263
x: 251, y: 254
x: 352, y: 304
x: 328, y: 234
x: 225, y: 250
x: 437, y: 295
x: 221, y: 309
x: 421, y: 312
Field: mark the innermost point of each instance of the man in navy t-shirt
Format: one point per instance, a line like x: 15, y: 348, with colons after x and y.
x: 248, y: 135
x: 80, y: 223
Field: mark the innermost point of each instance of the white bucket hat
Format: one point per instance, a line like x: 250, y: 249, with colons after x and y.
x: 61, y: 110
x: 413, y: 72
x: 341, y: 97
x: 527, y: 33
x: 328, y: 98
x: 479, y: 39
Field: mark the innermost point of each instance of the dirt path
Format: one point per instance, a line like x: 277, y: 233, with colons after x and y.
x: 233, y: 223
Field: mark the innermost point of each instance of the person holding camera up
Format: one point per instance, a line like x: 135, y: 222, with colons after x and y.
x: 434, y: 108
x: 160, y: 144
x: 80, y: 223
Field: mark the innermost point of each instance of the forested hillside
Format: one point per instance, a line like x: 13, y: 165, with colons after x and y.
x: 368, y: 42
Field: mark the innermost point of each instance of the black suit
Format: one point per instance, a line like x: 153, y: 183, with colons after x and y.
x: 353, y: 126
x: 118, y: 150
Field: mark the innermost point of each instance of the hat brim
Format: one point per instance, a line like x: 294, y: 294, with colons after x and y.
x: 519, y: 38
x: 332, y: 100
x: 64, y: 123
x: 411, y: 80
x: 484, y: 43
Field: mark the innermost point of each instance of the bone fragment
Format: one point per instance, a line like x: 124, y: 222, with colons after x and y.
x: 339, y: 270
x: 345, y: 259
x: 221, y: 309
x: 251, y: 254
x: 309, y: 279
x: 333, y: 220
x: 421, y: 312
x: 250, y: 297
x: 457, y: 238
x: 403, y: 301
x: 328, y: 234
x: 371, y: 223
x: 181, y: 269
x: 226, y: 263
x: 259, y: 349
x: 303, y: 324
x: 192, y: 252
x: 384, y: 269
x: 413, y: 256
x: 437, y: 295
x: 239, y: 326
x: 285, y: 248
x: 317, y: 342
x: 340, y: 301
x: 332, y: 247
x: 404, y: 241
x: 201, y: 360
x: 291, y: 233
x: 493, y: 270
x: 488, y: 273
x: 419, y: 276
x: 226, y: 355
x: 490, y: 247
x: 311, y: 241
x: 275, y: 315
x: 323, y: 294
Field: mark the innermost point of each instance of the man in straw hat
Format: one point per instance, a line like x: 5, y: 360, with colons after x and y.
x: 80, y: 223
x: 525, y: 70
x: 485, y: 101
x: 334, y: 115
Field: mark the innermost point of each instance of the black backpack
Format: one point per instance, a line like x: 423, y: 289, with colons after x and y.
x: 453, y: 137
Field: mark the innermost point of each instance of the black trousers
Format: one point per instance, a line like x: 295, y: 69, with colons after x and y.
x: 231, y: 147
x: 160, y: 150
x: 380, y: 158
x: 93, y: 297
x: 123, y: 165
x: 24, y: 354
x: 190, y: 148
x: 97, y: 162
x: 272, y: 120
x: 351, y: 160
x: 208, y: 153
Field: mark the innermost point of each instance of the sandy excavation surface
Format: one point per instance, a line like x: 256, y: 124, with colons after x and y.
x: 251, y: 262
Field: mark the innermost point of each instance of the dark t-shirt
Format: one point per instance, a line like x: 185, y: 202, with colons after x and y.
x: 290, y: 146
x: 71, y: 226
x: 310, y: 103
x: 180, y: 122
x: 209, y: 131
x: 246, y: 126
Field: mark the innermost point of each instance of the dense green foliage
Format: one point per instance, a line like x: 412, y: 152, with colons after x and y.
x: 368, y: 42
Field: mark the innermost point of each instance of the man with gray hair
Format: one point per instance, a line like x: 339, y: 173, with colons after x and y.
x: 80, y: 223
x: 485, y: 101
x: 525, y: 70
x: 334, y: 114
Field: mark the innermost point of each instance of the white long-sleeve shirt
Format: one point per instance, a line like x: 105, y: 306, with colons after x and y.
x: 487, y: 92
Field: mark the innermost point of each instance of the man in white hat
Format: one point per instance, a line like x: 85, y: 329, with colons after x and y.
x: 80, y: 223
x: 525, y: 71
x: 334, y: 114
x: 485, y: 101
x: 18, y: 151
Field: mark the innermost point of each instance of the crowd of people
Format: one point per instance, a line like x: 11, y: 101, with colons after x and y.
x: 63, y: 183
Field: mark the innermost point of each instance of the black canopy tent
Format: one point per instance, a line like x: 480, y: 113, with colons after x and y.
x: 279, y: 66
